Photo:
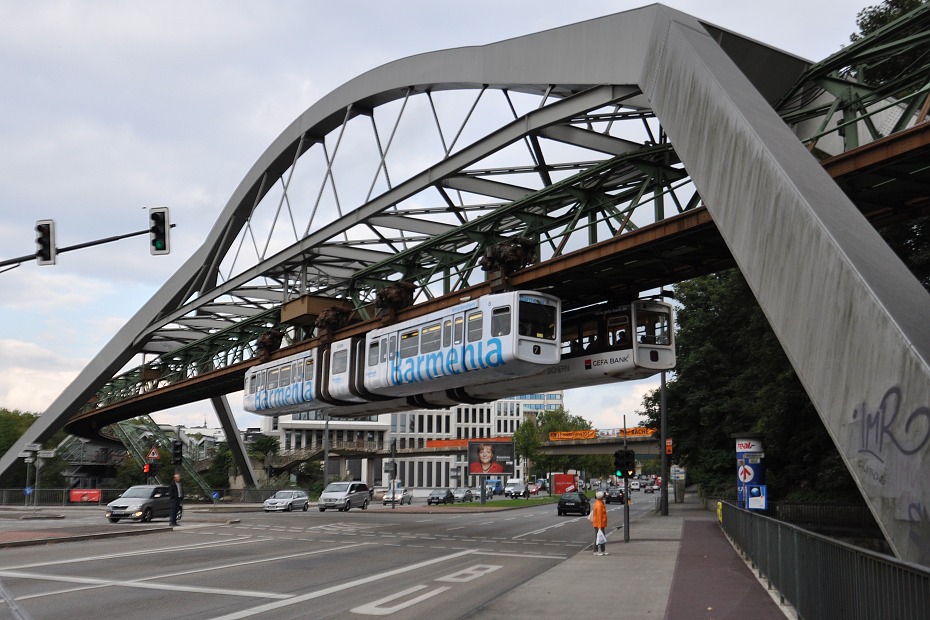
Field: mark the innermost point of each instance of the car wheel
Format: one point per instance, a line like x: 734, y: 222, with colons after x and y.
x: 348, y: 505
x: 288, y: 509
x: 146, y: 515
x: 560, y: 513
x: 306, y: 507
x: 114, y: 520
x: 365, y: 505
x: 322, y: 509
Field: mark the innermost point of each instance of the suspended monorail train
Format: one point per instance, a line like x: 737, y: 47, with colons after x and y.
x: 493, y: 337
x: 499, y: 345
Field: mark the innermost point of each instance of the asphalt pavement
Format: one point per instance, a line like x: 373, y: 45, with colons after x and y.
x: 676, y: 567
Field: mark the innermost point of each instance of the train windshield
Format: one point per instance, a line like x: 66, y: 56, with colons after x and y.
x: 653, y: 326
x: 537, y: 319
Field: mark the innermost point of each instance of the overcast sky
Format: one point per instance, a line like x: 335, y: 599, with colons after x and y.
x: 112, y: 107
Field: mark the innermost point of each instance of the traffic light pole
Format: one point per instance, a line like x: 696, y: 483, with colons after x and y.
x: 80, y: 246
x: 626, y: 492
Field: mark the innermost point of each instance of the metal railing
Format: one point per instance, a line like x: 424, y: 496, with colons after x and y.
x: 101, y: 497
x: 823, y: 578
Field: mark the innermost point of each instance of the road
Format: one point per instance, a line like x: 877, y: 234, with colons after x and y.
x: 401, y: 563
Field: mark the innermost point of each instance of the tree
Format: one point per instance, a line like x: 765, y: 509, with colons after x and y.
x: 262, y: 445
x: 732, y: 377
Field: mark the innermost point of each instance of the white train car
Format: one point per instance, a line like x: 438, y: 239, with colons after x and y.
x: 503, y: 335
x: 602, y: 344
x: 283, y: 386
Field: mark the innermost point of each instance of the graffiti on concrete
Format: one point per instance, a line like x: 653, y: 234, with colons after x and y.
x: 881, y: 428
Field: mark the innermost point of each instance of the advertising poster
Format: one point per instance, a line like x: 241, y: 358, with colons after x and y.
x: 488, y: 457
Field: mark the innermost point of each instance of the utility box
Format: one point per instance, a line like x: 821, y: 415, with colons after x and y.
x: 304, y: 310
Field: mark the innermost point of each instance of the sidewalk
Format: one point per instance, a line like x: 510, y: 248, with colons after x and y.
x: 679, y: 567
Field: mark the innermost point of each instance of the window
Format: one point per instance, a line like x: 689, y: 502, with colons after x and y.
x: 447, y: 334
x: 430, y: 339
x: 537, y: 320
x: 384, y: 349
x: 308, y: 368
x: 409, y: 344
x: 475, y: 320
x: 340, y: 362
x: 458, y: 330
x: 273, y: 378
x: 373, y: 354
x: 284, y: 377
x: 618, y: 331
x: 500, y: 321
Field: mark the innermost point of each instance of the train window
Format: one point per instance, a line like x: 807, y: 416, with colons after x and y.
x: 340, y: 362
x: 475, y: 323
x: 384, y: 349
x: 430, y: 340
x: 409, y: 344
x: 392, y: 347
x: 618, y: 331
x: 537, y: 320
x: 447, y: 334
x: 284, y: 377
x: 652, y: 327
x: 273, y: 378
x: 297, y: 372
x: 373, y: 354
x: 500, y: 321
x: 308, y: 368
x: 459, y: 330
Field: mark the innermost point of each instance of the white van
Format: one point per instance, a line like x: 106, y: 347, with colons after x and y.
x: 514, y: 487
x: 634, y: 485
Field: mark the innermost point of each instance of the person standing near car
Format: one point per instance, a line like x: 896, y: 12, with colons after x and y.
x: 177, y: 494
x: 599, y: 521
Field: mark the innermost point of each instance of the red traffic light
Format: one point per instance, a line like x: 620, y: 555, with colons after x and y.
x: 146, y: 468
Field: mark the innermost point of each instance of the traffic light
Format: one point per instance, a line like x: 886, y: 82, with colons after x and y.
x: 177, y: 451
x: 147, y: 468
x: 45, y: 242
x: 629, y: 463
x: 618, y: 463
x: 158, y: 230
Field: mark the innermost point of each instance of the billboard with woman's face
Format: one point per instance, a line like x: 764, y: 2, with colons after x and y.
x: 490, y: 457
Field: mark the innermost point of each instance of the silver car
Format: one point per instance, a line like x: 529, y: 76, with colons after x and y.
x: 400, y: 495
x: 143, y: 502
x: 287, y: 501
x: 344, y: 496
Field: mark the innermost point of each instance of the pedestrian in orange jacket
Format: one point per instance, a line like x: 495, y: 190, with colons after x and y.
x: 599, y: 521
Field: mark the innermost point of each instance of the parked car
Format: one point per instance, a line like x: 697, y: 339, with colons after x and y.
x: 400, y: 496
x: 515, y: 490
x: 344, y: 496
x: 287, y: 501
x: 613, y: 494
x: 534, y: 489
x: 495, y: 485
x: 574, y: 501
x: 142, y: 502
x: 463, y: 494
x: 440, y: 496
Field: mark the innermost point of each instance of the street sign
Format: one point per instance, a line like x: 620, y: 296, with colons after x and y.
x: 46, y: 454
x: 745, y: 474
x: 33, y: 446
x: 25, y: 455
x: 153, y: 453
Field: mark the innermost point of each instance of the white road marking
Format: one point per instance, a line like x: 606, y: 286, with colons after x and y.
x: 375, y: 608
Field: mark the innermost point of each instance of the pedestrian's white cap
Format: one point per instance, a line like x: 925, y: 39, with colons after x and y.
x: 599, y: 495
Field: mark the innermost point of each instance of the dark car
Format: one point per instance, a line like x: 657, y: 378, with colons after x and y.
x: 440, y: 496
x: 613, y: 494
x: 574, y: 502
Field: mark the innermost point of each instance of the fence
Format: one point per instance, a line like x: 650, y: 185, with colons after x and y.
x: 101, y: 497
x: 825, y: 579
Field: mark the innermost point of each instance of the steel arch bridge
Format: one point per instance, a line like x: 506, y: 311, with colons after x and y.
x: 571, y: 138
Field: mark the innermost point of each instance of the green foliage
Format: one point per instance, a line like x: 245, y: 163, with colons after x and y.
x: 733, y: 377
x: 535, y: 429
x: 218, y: 474
x: 262, y: 445
x: 884, y: 69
